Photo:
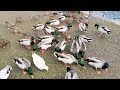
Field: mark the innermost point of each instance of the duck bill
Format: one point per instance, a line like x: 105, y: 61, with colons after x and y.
x: 32, y: 76
x: 106, y: 69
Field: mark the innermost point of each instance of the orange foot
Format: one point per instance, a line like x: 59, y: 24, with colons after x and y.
x: 28, y: 47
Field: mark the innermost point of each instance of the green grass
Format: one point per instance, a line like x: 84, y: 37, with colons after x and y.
x: 106, y: 47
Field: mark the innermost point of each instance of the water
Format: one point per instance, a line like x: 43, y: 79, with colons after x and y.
x: 108, y: 14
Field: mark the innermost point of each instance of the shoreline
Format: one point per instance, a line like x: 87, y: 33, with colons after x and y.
x: 117, y: 21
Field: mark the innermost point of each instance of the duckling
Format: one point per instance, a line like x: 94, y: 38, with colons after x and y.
x: 10, y: 24
x: 83, y: 26
x: 39, y: 62
x: 71, y: 74
x: 85, y: 38
x: 61, y: 46
x: 5, y: 72
x: 65, y: 58
x: 19, y: 19
x: 27, y: 42
x: 38, y: 26
x: 102, y: 29
x: 25, y: 65
x: 97, y: 63
x: 16, y: 30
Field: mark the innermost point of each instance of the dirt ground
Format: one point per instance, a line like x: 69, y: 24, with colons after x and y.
x: 106, y: 47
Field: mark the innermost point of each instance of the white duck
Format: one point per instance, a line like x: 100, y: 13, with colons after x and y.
x: 39, y: 62
x: 5, y: 72
x: 65, y: 58
x: 25, y: 65
x: 97, y: 63
x: 27, y: 42
x: 102, y: 29
x: 71, y: 74
x: 61, y: 46
x: 83, y: 26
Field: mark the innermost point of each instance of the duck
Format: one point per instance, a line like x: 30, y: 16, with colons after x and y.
x: 38, y: 26
x: 45, y: 42
x: 78, y: 49
x: 65, y: 58
x: 62, y: 18
x: 83, y: 26
x: 5, y: 72
x: 63, y: 29
x: 61, y: 46
x: 102, y: 29
x: 71, y: 74
x: 43, y: 46
x: 54, y: 22
x: 27, y: 42
x: 44, y: 38
x: 49, y: 29
x: 25, y: 65
x: 98, y: 63
x: 39, y: 62
x: 85, y: 38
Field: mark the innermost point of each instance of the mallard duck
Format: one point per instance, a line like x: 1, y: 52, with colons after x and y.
x: 78, y: 47
x: 71, y: 74
x: 97, y: 63
x: 62, y: 18
x: 27, y: 42
x: 63, y: 29
x: 5, y: 72
x: 45, y: 42
x: 65, y: 58
x: 25, y: 65
x: 49, y: 29
x: 61, y: 46
x: 39, y: 62
x: 102, y: 29
x: 54, y: 22
x: 83, y: 26
x: 47, y: 38
x: 38, y: 26
x: 43, y: 46
x: 85, y: 38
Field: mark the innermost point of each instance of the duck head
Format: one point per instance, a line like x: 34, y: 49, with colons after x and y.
x: 30, y: 71
x: 35, y: 48
x: 46, y: 68
x: 97, y: 25
x: 69, y: 25
x: 56, y: 40
x: 68, y: 68
x: 105, y: 66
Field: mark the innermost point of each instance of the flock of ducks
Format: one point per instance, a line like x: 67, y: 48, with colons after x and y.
x: 52, y: 28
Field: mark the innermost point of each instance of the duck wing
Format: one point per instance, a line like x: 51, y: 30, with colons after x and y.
x: 27, y: 62
x: 21, y: 64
